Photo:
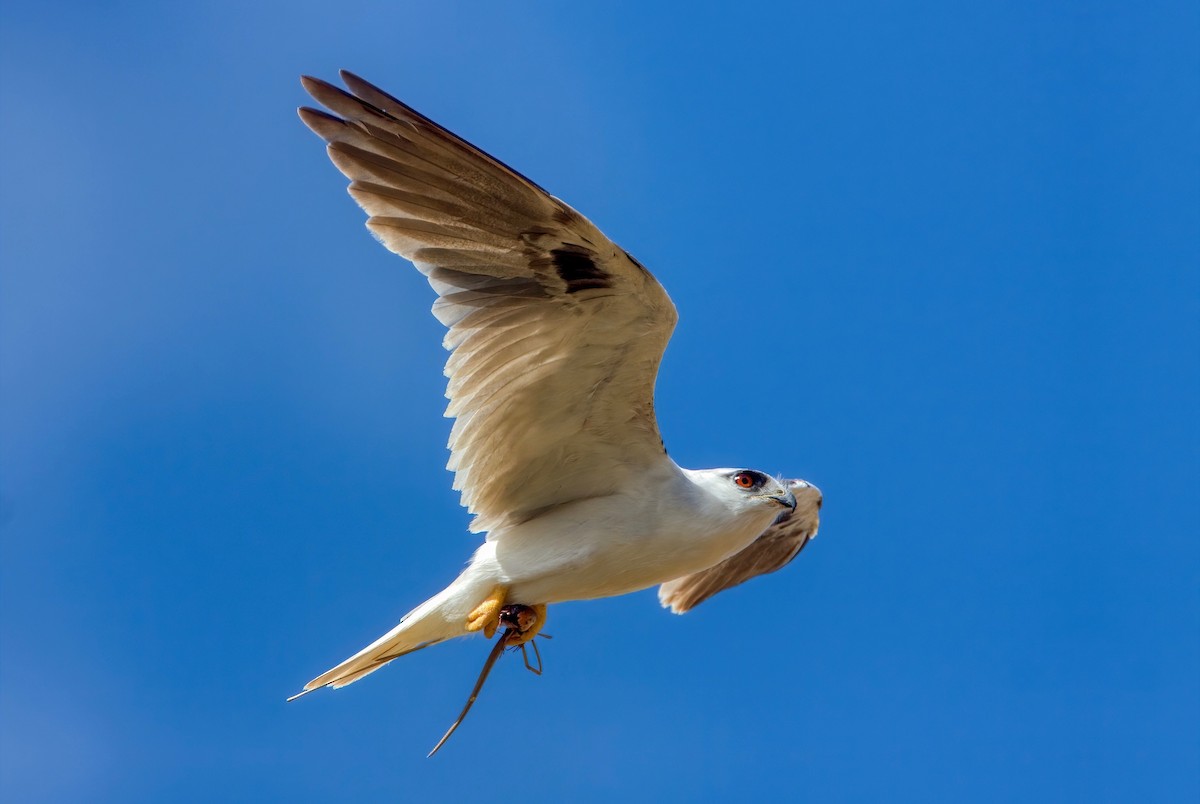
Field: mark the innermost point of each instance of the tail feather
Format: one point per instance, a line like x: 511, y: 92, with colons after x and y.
x: 352, y: 670
x: 424, y: 626
x: 441, y: 617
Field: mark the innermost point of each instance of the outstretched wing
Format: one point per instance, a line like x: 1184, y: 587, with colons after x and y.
x: 556, y: 332
x: 771, y: 551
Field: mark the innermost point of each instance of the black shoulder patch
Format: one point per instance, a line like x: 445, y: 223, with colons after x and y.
x: 575, y: 267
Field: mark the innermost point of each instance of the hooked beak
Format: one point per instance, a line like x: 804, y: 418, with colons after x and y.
x: 785, y: 498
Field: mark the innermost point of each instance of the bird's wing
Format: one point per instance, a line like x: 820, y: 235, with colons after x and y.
x: 556, y: 332
x: 771, y: 551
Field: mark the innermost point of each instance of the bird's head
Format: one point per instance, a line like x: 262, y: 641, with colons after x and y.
x: 748, y: 490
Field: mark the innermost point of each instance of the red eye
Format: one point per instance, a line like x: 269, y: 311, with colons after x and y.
x: 744, y: 480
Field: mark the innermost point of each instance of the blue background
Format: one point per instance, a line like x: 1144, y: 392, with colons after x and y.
x: 939, y: 258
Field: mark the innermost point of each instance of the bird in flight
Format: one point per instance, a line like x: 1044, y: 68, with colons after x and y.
x: 555, y: 336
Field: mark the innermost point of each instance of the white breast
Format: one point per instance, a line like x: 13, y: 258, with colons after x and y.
x: 666, y: 528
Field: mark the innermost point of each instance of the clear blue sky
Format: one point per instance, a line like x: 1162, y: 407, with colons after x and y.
x: 942, y: 259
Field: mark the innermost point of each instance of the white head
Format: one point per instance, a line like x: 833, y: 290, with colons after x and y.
x: 746, y: 491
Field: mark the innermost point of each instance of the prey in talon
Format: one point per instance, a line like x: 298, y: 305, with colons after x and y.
x: 526, y: 623
x: 556, y: 334
x: 521, y: 624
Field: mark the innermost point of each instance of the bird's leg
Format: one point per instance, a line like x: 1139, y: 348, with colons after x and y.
x: 486, y: 616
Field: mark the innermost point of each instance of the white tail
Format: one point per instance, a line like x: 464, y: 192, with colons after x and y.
x: 441, y: 617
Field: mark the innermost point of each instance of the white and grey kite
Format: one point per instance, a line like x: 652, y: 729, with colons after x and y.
x: 556, y: 336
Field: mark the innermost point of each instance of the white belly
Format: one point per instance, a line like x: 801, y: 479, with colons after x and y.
x: 612, y: 546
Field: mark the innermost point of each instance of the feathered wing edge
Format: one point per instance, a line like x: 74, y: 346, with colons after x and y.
x: 544, y: 312
x: 773, y: 550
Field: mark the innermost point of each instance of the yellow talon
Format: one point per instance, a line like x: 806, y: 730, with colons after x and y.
x: 486, y: 616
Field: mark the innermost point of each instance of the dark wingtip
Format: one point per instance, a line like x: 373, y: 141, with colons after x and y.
x: 308, y: 82
x: 318, y: 121
x: 318, y: 88
x: 306, y: 112
x: 369, y: 93
x: 353, y: 80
